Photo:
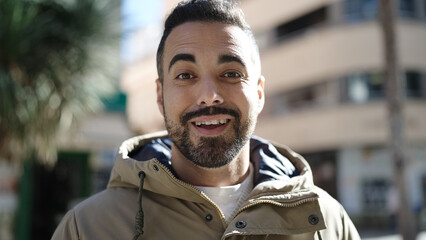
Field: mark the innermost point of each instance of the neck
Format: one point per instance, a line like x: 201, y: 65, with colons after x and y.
x: 231, y: 174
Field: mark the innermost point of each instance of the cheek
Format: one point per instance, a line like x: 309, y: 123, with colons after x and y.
x: 251, y: 98
x: 175, y: 102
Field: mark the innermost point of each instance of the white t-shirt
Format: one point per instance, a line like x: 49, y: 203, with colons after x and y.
x: 230, y: 198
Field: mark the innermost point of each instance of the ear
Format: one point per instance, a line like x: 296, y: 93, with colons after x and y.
x: 160, y: 103
x: 261, y: 92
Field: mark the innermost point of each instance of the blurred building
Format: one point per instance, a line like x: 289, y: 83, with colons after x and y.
x: 140, y: 71
x: 323, y: 62
x: 325, y: 97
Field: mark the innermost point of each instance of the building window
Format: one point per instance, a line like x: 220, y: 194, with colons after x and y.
x: 415, y: 85
x: 424, y: 10
x: 374, y: 194
x: 424, y: 196
x: 301, y: 24
x: 323, y: 165
x: 358, y: 10
x: 291, y: 100
x: 361, y: 87
x: 301, y: 97
x: 315, y: 95
x: 406, y: 9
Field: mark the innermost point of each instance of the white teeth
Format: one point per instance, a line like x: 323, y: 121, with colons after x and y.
x: 213, y: 122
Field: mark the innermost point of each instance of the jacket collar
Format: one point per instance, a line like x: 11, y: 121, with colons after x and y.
x: 271, y: 161
x: 283, y: 180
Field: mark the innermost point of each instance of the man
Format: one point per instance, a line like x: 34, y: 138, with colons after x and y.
x: 209, y: 178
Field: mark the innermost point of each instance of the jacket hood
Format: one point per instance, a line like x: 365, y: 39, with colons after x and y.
x: 152, y: 153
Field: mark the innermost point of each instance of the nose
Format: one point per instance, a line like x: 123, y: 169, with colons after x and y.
x: 209, y: 94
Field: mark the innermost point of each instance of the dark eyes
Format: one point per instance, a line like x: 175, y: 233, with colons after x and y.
x: 232, y: 74
x: 184, y: 76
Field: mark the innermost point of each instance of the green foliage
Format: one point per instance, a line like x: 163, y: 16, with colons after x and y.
x: 57, y: 59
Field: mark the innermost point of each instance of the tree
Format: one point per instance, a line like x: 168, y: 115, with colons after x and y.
x: 54, y: 69
x: 395, y: 104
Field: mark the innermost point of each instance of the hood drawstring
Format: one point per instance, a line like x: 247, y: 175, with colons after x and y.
x: 139, y: 215
x: 319, y: 235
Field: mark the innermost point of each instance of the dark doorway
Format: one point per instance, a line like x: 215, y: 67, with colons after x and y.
x: 56, y: 189
x: 323, y: 165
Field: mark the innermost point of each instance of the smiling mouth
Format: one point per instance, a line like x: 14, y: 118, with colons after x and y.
x: 213, y: 123
x: 211, y: 127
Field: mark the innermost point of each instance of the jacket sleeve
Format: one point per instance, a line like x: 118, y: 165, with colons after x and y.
x: 339, y: 225
x: 349, y: 230
x: 67, y: 228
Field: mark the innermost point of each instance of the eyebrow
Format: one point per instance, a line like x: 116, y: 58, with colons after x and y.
x: 181, y: 57
x: 226, y: 58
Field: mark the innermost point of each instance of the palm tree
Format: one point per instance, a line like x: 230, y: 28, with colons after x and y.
x: 54, y: 69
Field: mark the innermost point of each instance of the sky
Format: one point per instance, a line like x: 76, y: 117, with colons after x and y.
x: 138, y: 15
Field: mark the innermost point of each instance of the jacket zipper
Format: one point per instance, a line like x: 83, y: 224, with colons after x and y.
x: 289, y: 205
x: 224, y: 224
x: 293, y: 204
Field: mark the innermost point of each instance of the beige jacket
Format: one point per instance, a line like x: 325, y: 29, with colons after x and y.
x: 284, y: 203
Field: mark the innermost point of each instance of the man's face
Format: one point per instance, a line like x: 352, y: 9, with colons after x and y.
x: 212, y: 91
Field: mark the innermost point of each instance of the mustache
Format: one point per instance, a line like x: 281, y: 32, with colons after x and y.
x: 207, y: 111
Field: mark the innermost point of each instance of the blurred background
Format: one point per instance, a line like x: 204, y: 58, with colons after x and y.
x: 77, y: 78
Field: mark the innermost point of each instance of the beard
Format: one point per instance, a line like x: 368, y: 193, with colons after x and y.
x: 210, y: 152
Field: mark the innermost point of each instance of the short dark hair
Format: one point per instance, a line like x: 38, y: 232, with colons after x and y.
x: 222, y: 11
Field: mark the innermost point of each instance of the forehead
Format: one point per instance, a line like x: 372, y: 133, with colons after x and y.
x: 213, y: 38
